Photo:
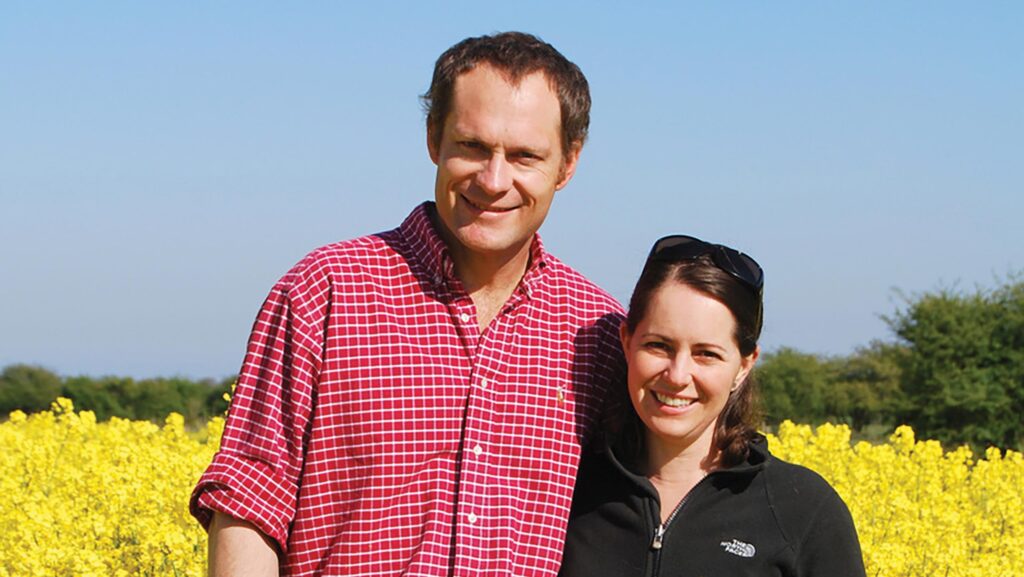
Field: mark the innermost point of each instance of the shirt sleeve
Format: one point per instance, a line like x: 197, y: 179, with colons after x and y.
x: 254, y: 476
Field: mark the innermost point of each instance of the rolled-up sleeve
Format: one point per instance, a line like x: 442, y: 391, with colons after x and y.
x: 254, y: 475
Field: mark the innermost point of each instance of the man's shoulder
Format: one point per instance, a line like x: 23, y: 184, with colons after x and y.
x: 377, y: 253
x: 366, y: 247
x: 345, y: 254
x: 565, y: 282
x: 367, y: 260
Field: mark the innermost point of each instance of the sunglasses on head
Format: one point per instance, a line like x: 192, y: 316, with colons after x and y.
x: 680, y: 247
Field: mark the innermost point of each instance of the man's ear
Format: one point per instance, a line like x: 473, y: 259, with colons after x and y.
x: 624, y: 337
x: 432, y: 145
x: 569, y: 162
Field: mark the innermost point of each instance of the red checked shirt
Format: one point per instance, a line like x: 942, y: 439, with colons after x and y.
x: 375, y: 430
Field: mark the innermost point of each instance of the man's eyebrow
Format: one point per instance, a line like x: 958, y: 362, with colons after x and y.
x: 536, y: 150
x: 462, y: 135
x: 467, y: 136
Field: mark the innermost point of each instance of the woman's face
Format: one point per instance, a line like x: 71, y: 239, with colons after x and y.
x: 683, y: 362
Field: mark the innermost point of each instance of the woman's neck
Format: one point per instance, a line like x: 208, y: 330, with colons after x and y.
x: 674, y: 472
x: 670, y: 460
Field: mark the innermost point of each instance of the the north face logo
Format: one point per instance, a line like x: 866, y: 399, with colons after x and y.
x: 740, y: 548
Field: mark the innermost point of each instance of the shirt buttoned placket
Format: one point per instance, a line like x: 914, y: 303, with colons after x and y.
x: 480, y: 521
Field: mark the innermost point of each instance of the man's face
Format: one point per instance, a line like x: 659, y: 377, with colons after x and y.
x: 499, y: 162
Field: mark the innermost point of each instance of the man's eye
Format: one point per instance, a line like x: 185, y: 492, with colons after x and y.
x: 471, y: 145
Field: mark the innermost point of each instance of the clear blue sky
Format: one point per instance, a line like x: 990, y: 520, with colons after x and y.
x: 162, y: 164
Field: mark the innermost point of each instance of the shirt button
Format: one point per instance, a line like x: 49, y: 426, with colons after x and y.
x: 464, y: 317
x: 483, y: 383
x: 478, y: 450
x: 472, y: 517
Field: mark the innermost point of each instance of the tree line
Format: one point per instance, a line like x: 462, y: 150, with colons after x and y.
x: 954, y: 372
x: 32, y: 388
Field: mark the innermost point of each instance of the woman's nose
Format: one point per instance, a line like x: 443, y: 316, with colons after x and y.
x: 679, y: 372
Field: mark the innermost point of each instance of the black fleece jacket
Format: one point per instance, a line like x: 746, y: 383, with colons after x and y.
x: 764, y: 517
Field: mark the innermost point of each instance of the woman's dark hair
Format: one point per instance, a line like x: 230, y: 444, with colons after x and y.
x: 517, y: 55
x: 742, y: 413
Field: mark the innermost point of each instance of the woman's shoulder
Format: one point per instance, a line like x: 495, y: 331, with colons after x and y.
x: 795, y: 489
x: 598, y: 473
x: 602, y: 480
x: 802, y: 499
x: 797, y: 479
x: 814, y: 519
x: 609, y: 530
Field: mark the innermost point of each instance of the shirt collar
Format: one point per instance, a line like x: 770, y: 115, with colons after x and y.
x: 428, y: 248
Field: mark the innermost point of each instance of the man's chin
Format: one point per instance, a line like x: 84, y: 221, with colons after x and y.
x: 487, y: 244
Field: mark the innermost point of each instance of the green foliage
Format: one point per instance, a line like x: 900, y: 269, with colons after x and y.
x: 964, y: 371
x: 104, y: 396
x: 866, y: 385
x: 27, y: 388
x: 793, y: 386
x: 32, y: 389
x: 859, y: 390
x: 955, y: 373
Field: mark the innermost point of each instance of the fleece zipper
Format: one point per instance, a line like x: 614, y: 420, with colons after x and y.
x: 659, y: 531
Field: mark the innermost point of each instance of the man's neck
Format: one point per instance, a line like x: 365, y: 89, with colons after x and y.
x: 490, y: 279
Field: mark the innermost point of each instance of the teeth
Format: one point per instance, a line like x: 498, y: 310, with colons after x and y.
x: 488, y: 209
x: 671, y: 401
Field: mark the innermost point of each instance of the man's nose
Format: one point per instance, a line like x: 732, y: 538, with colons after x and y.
x: 496, y: 175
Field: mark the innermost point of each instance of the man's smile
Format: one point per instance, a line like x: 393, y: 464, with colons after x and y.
x: 483, y: 208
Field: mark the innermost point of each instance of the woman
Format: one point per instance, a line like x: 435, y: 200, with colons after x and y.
x: 685, y: 485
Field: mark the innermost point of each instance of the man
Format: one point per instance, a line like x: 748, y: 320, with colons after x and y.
x: 414, y: 402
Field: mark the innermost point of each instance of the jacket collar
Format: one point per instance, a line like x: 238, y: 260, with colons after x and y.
x: 756, y: 459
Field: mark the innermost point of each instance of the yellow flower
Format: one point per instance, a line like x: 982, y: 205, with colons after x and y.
x: 85, y: 498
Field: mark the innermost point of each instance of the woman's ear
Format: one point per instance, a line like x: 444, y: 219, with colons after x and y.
x: 746, y: 365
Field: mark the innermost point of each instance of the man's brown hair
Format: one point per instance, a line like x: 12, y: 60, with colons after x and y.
x: 515, y: 54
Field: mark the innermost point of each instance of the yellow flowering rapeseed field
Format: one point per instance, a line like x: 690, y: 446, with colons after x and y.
x: 919, y: 510
x: 85, y: 498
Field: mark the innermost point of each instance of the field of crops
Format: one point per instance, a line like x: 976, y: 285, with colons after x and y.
x: 101, y: 499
